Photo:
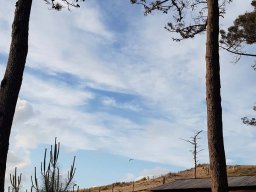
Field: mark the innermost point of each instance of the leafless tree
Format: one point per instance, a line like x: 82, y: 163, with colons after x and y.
x: 196, y: 149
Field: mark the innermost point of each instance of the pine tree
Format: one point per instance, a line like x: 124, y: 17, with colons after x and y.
x: 12, y: 80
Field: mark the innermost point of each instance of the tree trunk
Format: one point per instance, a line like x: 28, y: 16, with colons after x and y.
x: 11, y: 83
x: 195, y: 157
x: 214, y: 111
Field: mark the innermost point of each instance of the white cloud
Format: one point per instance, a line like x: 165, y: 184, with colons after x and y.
x: 23, y: 112
x: 111, y: 102
x: 164, y: 77
x: 87, y: 131
x: 19, y: 159
x: 54, y: 93
x: 58, y: 46
x: 6, y: 18
x: 233, y: 10
x: 89, y: 20
x: 169, y: 77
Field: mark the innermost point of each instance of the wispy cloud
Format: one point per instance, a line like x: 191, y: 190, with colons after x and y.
x: 90, y: 20
x: 122, y: 86
x: 111, y: 102
x: 54, y: 93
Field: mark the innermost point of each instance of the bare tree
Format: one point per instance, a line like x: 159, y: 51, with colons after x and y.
x: 196, y: 150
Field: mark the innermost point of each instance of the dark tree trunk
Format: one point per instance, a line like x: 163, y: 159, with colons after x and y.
x: 195, y: 158
x: 214, y: 111
x: 10, y: 85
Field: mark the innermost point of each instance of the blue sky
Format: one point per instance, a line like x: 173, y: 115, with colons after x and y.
x: 112, y: 85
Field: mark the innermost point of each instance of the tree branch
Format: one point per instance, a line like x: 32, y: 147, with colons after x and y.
x: 238, y: 53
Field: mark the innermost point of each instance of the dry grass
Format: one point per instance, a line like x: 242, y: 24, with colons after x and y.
x: 145, y: 185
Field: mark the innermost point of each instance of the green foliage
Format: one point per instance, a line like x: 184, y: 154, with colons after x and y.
x: 241, y: 32
x: 249, y: 121
x: 178, y: 22
x: 188, y: 17
x: 58, y: 5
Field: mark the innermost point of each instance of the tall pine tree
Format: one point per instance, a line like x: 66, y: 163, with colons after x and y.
x: 12, y: 80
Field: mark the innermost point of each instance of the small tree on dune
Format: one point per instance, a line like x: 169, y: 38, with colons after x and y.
x: 196, y: 149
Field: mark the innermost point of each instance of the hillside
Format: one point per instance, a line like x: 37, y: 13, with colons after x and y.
x: 145, y: 184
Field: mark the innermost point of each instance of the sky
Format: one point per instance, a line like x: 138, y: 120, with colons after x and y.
x: 111, y: 85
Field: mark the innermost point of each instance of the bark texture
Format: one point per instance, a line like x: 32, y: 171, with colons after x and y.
x: 214, y: 110
x: 11, y: 83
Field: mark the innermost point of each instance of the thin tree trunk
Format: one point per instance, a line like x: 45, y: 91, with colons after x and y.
x: 195, y: 158
x: 11, y: 83
x: 214, y: 111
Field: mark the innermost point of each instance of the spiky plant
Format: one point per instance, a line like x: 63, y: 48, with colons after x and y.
x: 51, y: 179
x: 15, y: 182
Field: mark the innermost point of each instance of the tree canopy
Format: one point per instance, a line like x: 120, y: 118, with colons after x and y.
x: 250, y: 121
x: 242, y: 32
x: 59, y: 4
x: 189, y: 17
